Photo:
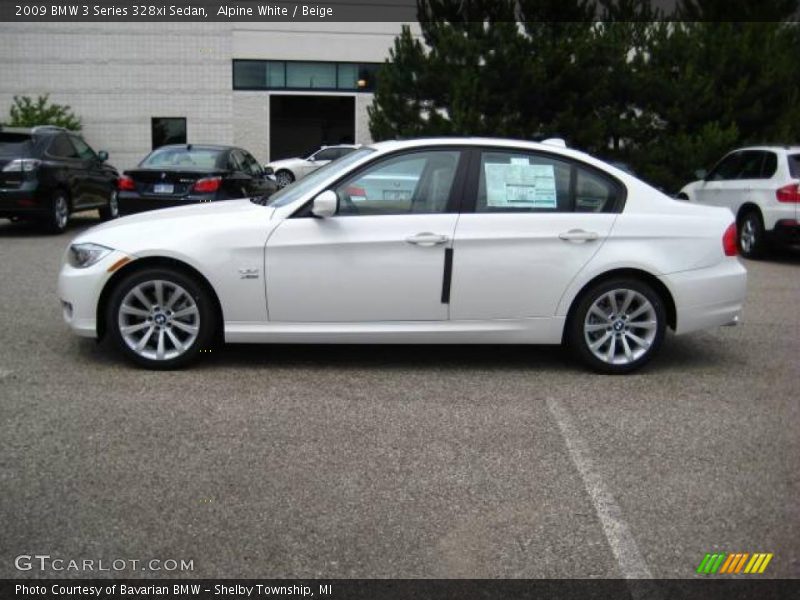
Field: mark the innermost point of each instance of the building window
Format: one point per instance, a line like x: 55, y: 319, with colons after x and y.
x: 168, y: 130
x: 303, y: 75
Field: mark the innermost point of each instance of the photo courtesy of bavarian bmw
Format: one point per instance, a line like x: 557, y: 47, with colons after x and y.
x: 435, y: 241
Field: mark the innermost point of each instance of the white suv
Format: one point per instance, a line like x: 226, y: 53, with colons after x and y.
x: 761, y: 186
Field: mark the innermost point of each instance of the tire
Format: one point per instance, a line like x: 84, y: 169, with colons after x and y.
x: 617, y: 326
x: 58, y: 217
x: 284, y: 178
x: 750, y: 235
x: 176, y: 327
x: 111, y: 210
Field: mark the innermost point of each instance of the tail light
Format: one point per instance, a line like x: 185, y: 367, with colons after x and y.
x: 126, y: 184
x: 729, y: 240
x: 21, y: 165
x: 207, y: 185
x: 789, y: 193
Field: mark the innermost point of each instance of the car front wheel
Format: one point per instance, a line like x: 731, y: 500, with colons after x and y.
x: 617, y: 326
x: 161, y: 318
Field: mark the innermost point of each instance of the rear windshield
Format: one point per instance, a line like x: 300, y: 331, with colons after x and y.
x: 194, y: 158
x: 15, y: 144
x: 794, y: 165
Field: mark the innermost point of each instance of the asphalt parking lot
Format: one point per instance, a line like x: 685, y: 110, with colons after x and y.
x: 325, y: 461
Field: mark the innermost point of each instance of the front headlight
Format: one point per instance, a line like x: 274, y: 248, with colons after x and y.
x: 81, y: 256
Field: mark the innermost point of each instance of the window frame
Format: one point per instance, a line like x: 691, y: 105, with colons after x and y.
x: 457, y: 188
x: 470, y: 203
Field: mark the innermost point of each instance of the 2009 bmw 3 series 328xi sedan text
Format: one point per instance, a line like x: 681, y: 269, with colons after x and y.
x: 438, y: 241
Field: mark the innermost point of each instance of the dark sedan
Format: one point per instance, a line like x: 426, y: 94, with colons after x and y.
x: 191, y: 173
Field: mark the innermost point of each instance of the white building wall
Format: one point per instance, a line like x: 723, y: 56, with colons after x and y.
x: 117, y: 76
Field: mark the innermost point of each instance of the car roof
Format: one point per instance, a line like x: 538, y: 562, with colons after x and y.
x: 197, y: 147
x: 774, y: 148
x: 38, y: 130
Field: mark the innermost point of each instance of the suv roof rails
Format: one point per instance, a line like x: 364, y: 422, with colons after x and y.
x: 41, y: 128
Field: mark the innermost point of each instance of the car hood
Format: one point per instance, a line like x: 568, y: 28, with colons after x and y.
x: 287, y: 163
x: 174, y: 228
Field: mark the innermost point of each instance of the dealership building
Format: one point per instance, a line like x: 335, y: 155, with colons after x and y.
x: 278, y: 89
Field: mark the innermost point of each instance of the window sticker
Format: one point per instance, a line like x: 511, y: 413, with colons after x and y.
x: 520, y: 185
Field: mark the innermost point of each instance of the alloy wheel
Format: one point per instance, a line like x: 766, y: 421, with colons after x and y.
x: 60, y: 212
x: 159, y: 320
x: 283, y: 179
x: 113, y: 205
x: 747, y: 235
x: 620, y: 326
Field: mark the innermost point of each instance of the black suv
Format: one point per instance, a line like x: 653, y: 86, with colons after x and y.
x: 47, y: 173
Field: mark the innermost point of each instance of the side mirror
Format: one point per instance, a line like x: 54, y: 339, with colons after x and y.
x: 325, y: 205
x: 102, y: 155
x: 701, y: 173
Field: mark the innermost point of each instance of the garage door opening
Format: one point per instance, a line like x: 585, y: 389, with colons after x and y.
x: 301, y: 124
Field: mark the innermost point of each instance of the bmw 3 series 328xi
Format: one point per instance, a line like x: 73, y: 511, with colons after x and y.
x: 437, y: 241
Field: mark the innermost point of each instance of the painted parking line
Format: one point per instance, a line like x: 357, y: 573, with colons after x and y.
x: 630, y: 561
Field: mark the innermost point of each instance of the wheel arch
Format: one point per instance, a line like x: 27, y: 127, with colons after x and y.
x: 151, y: 262
x: 643, y: 276
x: 746, y: 208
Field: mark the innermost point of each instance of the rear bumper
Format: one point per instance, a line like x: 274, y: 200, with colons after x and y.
x: 26, y: 200
x: 706, y: 298
x: 131, y: 202
x: 787, y: 231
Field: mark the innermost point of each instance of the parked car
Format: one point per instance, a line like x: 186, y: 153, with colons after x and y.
x: 182, y: 174
x: 761, y: 186
x: 291, y: 169
x: 47, y: 173
x: 499, y: 241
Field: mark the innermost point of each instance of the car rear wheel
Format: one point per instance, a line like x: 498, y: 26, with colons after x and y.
x: 58, y: 216
x: 161, y: 318
x: 284, y: 178
x: 617, y: 326
x: 751, y: 235
x: 111, y: 210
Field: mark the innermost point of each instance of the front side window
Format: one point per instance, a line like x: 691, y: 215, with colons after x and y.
x: 415, y: 183
x: 327, y: 154
x: 82, y: 148
x: 728, y: 168
x: 62, y: 148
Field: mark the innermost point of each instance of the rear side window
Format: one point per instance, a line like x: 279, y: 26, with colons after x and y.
x: 794, y: 165
x: 727, y: 168
x: 15, y: 144
x: 527, y: 182
x: 60, y: 147
x: 770, y: 165
x: 750, y: 167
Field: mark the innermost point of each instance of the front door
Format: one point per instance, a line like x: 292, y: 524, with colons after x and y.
x: 381, y: 257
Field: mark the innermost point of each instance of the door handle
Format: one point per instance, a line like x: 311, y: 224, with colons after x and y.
x: 578, y: 235
x: 427, y: 239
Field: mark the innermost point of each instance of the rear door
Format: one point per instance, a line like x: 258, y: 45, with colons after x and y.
x: 722, y: 186
x: 69, y: 169
x: 537, y: 220
x: 96, y: 182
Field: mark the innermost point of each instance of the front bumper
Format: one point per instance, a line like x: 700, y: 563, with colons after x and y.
x: 79, y: 291
x: 706, y: 298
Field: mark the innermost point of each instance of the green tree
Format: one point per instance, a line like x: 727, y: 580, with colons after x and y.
x: 28, y: 113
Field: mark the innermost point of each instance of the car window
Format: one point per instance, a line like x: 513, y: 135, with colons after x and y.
x: 727, y: 168
x: 750, y: 166
x: 82, y: 148
x: 327, y: 154
x: 418, y: 182
x: 770, y: 165
x: 794, y: 165
x: 523, y: 182
x: 183, y: 157
x: 15, y: 144
x: 61, y: 147
x: 235, y: 161
x: 594, y: 192
x: 250, y: 164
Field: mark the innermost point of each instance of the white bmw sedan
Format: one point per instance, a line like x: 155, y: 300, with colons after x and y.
x: 437, y: 241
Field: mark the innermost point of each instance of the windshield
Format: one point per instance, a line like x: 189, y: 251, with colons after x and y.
x: 296, y: 190
x: 183, y: 157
